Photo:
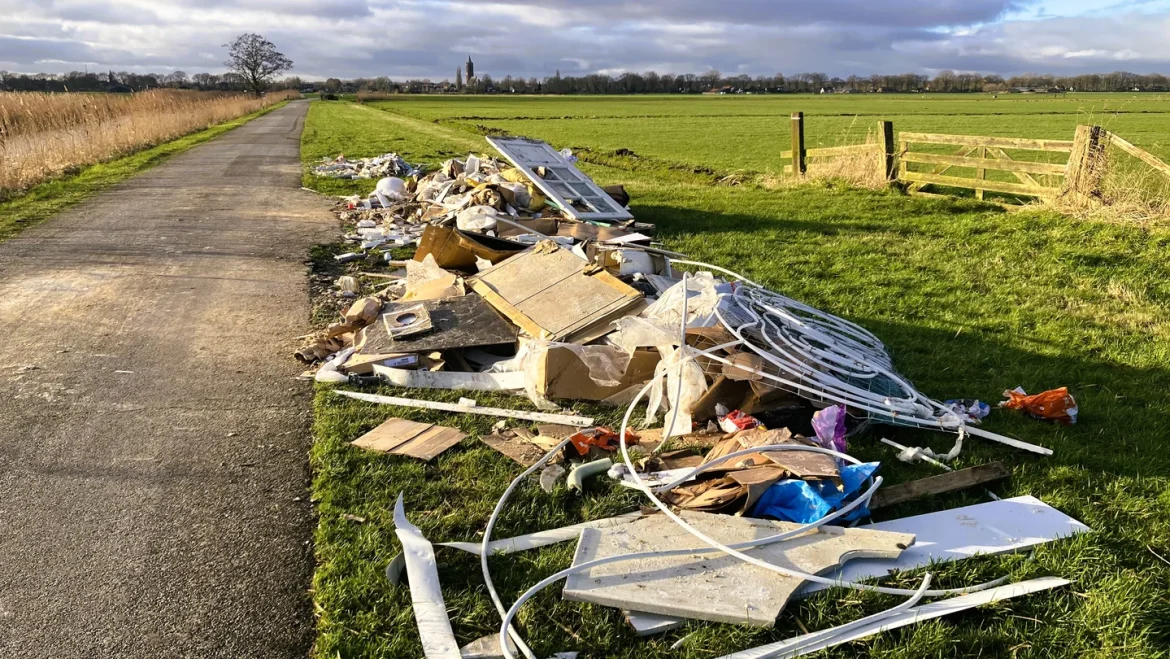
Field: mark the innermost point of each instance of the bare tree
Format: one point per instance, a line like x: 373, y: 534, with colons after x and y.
x: 256, y: 60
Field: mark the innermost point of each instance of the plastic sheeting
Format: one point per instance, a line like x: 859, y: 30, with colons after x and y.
x: 693, y: 386
x: 606, y: 364
x: 702, y: 299
x: 476, y: 218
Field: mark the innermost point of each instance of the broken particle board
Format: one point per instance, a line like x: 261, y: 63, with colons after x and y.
x: 412, y: 439
x: 552, y: 294
x: 456, y: 322
x: 713, y: 586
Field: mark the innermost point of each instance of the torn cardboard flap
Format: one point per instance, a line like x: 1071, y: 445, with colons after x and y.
x: 459, y: 250
x: 422, y: 441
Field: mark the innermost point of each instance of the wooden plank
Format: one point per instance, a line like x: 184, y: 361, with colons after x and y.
x: 1006, y: 165
x: 457, y: 322
x: 798, y: 164
x: 1012, y: 208
x: 1082, y: 175
x: 981, y: 140
x: 1139, y: 153
x: 903, y: 149
x: 831, y: 151
x: 548, y: 292
x: 993, y: 186
x: 1022, y: 177
x: 941, y: 484
x: 941, y: 169
x: 981, y: 172
x: 423, y: 441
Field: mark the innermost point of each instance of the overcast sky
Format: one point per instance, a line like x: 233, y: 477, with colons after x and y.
x: 429, y: 38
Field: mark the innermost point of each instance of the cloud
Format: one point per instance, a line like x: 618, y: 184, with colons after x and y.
x: 429, y: 38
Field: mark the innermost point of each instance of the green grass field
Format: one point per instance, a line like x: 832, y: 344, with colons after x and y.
x: 969, y: 299
x: 744, y: 133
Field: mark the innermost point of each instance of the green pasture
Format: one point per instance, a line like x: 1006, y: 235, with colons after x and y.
x: 970, y: 300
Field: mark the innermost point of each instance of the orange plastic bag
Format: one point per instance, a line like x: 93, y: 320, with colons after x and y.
x: 1053, y: 405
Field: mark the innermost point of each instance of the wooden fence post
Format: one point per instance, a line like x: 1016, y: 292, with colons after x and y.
x: 798, y: 165
x: 1083, y: 172
x: 886, y: 129
x: 981, y: 173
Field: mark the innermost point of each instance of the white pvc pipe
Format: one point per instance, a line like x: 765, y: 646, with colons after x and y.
x: 487, y: 538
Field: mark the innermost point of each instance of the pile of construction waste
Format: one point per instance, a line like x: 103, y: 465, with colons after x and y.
x: 520, y: 275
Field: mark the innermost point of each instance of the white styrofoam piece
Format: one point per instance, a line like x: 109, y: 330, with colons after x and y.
x: 426, y: 597
x: 648, y: 624
x: 802, y: 645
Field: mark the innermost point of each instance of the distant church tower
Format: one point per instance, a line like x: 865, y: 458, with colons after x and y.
x: 458, y: 79
x: 470, y: 70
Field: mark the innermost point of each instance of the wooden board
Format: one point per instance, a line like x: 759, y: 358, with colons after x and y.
x: 549, y: 294
x: 714, y: 586
x: 457, y: 322
x: 992, y: 186
x: 941, y: 484
x: 1140, y: 154
x: 982, y: 140
x: 985, y: 163
x: 423, y: 441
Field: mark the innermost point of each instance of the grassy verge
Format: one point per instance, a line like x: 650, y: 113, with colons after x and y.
x: 48, y: 199
x: 970, y: 301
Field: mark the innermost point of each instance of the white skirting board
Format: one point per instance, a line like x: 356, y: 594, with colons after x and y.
x: 426, y: 597
x: 801, y: 645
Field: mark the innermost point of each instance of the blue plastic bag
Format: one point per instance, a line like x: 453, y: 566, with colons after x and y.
x: 805, y: 502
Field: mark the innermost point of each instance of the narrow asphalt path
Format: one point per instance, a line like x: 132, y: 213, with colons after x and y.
x: 153, y: 441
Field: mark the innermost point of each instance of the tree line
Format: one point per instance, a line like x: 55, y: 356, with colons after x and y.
x: 626, y: 83
x: 713, y: 81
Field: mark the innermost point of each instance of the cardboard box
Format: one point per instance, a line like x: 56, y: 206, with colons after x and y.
x: 458, y: 250
x: 563, y: 375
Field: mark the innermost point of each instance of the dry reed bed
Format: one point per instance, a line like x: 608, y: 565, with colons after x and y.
x: 43, y: 135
